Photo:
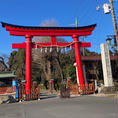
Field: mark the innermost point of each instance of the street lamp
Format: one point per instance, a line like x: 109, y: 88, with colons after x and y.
x: 112, y: 46
x: 109, y: 41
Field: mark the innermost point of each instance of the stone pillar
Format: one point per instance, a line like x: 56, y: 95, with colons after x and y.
x: 76, y: 73
x: 106, y: 65
x: 84, y: 72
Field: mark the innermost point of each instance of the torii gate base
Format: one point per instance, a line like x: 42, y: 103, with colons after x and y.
x: 29, y: 32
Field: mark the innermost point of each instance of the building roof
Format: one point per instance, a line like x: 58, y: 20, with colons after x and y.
x: 96, y: 58
x: 7, y: 74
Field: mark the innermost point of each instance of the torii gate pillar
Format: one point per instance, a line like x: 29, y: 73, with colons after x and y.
x: 78, y: 60
x: 28, y: 63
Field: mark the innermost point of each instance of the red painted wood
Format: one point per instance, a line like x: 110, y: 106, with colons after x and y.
x: 84, y: 44
x: 38, y: 45
x: 78, y: 61
x: 4, y: 90
x: 53, y: 40
x: 18, y: 33
x: 68, y: 83
x: 18, y: 45
x: 51, y: 86
x: 28, y: 64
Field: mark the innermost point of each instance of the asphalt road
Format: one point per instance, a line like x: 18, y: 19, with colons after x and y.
x: 76, y: 107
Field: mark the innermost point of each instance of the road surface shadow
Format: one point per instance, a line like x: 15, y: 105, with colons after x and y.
x: 45, y: 96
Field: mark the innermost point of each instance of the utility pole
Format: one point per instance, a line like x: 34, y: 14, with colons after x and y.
x: 114, y: 24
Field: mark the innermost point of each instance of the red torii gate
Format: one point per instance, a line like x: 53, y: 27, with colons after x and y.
x: 30, y: 31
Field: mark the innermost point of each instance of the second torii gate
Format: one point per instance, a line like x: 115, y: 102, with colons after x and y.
x: 29, y: 32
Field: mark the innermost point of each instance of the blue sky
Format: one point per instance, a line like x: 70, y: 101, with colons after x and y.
x: 34, y: 12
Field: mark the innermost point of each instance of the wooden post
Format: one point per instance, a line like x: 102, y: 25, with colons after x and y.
x: 78, y: 61
x: 28, y: 63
